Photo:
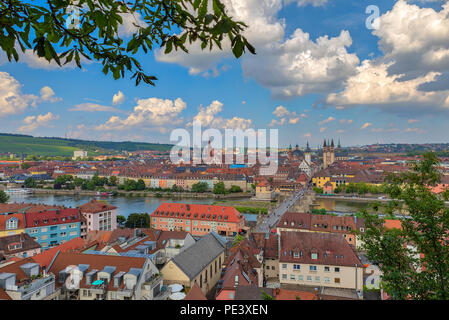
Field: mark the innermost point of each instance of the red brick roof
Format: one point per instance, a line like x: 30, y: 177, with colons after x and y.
x: 198, y: 212
x: 98, y: 262
x: 95, y: 206
x: 44, y: 258
x: 53, y: 217
x: 331, y: 249
x: 195, y: 293
x: 4, y: 218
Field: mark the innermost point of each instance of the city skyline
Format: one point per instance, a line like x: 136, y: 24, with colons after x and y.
x: 323, y: 81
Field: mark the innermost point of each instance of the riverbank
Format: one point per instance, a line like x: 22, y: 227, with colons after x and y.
x: 149, y: 194
x: 354, y: 198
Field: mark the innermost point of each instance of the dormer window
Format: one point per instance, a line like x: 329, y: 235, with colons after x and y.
x: 12, y: 224
x: 314, y: 256
x: 296, y: 254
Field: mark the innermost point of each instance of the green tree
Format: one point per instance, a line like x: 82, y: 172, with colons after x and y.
x: 140, y: 185
x: 95, y: 35
x: 200, y: 187
x: 138, y: 220
x: 318, y: 190
x: 219, y: 188
x: 266, y: 296
x: 30, y: 183
x: 235, y: 189
x: 413, y: 259
x: 3, y: 197
x: 121, y: 219
x: 112, y: 181
x: 238, y: 238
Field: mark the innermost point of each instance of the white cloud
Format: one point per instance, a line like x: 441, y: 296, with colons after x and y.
x: 207, y: 117
x: 322, y: 129
x: 330, y: 119
x: 48, y: 95
x: 12, y: 100
x: 93, y: 107
x: 128, y: 27
x: 372, y: 86
x: 297, y: 65
x: 415, y: 38
x: 412, y: 120
x: 118, y: 98
x: 366, y: 125
x: 32, y: 123
x: 303, y: 3
x: 285, y: 116
x: 152, y: 114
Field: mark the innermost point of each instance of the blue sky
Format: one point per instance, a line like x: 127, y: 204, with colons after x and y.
x: 342, y: 81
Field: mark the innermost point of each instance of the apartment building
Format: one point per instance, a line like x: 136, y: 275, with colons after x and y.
x: 319, y: 259
x: 52, y: 227
x: 306, y: 222
x: 18, y: 245
x: 99, y: 215
x: 25, y: 280
x: 107, y: 277
x: 201, y: 263
x: 197, y: 219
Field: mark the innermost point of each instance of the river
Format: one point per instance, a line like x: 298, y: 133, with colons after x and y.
x: 125, y: 205
x: 343, y: 205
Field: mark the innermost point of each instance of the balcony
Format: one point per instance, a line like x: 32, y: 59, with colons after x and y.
x: 27, y: 290
x: 152, y: 281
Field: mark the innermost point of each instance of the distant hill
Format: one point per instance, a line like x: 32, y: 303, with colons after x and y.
x: 51, y: 146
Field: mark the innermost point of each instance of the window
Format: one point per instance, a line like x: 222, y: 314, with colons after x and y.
x: 314, y: 256
x: 284, y: 266
x: 44, y: 237
x: 12, y: 224
x: 296, y: 255
x: 337, y: 269
x: 327, y: 269
x: 337, y: 280
x: 317, y: 279
x: 284, y: 276
x: 292, y: 277
x: 301, y: 278
x: 327, y: 279
x: 309, y: 278
x: 296, y: 267
x: 312, y: 268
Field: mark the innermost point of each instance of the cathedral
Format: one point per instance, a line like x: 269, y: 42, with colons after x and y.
x: 328, y: 153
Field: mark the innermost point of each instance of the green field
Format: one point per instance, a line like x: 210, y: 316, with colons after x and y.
x: 30, y: 145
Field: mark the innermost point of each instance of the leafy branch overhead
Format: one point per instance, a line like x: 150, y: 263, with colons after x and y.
x: 90, y: 29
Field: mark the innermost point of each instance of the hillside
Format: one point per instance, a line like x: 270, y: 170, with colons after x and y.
x: 44, y: 146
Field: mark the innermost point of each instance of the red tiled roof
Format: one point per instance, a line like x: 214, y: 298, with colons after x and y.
x: 95, y: 206
x: 285, y: 294
x: 331, y: 249
x: 195, y: 293
x: 98, y: 262
x: 4, y: 295
x: 45, y: 258
x: 4, y: 218
x: 53, y: 217
x: 198, y: 212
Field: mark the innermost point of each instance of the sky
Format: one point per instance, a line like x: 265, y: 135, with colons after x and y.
x: 319, y: 73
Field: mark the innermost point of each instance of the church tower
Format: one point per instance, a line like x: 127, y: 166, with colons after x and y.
x: 328, y: 153
x: 307, y: 154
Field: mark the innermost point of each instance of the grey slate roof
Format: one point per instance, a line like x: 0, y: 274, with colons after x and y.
x: 194, y: 259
